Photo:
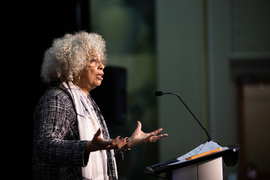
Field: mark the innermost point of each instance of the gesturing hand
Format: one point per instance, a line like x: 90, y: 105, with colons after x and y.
x: 139, y: 137
x: 98, y: 143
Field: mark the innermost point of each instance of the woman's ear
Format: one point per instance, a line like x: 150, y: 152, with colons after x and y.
x: 77, y: 79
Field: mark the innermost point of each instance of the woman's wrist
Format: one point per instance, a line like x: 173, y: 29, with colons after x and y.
x: 88, y: 148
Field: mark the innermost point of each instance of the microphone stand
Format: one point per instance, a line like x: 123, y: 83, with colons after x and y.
x: 160, y: 93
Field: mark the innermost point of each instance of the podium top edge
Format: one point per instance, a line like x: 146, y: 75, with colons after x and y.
x: 172, y: 164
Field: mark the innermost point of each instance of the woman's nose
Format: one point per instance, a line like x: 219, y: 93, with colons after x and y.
x: 101, y: 66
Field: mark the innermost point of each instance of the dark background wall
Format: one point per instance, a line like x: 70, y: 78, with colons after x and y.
x: 31, y: 28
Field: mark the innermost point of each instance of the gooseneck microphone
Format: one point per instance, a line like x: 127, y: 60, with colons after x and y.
x: 160, y: 93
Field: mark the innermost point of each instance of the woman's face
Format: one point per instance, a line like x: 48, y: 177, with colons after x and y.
x: 91, y: 76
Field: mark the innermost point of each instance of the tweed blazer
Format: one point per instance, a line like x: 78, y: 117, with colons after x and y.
x: 58, y: 152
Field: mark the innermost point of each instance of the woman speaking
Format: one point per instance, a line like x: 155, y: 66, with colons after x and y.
x: 71, y: 139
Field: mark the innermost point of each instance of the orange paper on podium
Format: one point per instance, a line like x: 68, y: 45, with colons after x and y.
x: 203, y: 154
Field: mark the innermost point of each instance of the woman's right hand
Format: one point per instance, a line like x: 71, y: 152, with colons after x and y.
x: 98, y: 143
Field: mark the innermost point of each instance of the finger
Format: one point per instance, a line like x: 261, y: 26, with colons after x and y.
x: 139, y: 125
x: 149, y: 137
x: 165, y: 135
x: 98, y: 133
x: 155, y: 138
x: 119, y: 143
x: 122, y: 142
x: 118, y: 138
x: 157, y: 131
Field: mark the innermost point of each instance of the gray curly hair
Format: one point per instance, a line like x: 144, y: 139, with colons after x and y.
x: 69, y: 55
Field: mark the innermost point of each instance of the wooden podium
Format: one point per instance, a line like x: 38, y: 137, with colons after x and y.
x: 208, y: 167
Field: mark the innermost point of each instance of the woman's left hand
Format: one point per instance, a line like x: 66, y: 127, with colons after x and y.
x: 139, y: 137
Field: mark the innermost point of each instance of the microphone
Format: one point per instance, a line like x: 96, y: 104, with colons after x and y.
x: 160, y: 93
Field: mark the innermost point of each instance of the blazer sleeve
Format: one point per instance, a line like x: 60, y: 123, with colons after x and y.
x: 56, y: 131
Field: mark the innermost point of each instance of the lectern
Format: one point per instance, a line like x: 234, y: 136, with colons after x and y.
x: 208, y: 167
